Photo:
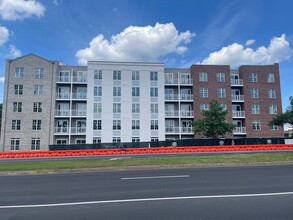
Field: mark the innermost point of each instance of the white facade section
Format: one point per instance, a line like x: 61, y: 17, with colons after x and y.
x: 125, y: 92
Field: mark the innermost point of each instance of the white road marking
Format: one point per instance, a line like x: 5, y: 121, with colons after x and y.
x: 146, y: 199
x: 154, y: 177
x: 120, y: 158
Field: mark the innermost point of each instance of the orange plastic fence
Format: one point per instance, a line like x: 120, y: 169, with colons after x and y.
x: 157, y: 150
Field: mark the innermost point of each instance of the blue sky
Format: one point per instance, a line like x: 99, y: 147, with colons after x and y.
x: 178, y: 33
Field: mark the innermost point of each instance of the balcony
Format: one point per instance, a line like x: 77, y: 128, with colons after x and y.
x: 173, y: 113
x: 78, y: 130
x: 62, y: 113
x: 81, y: 96
x: 172, y: 130
x: 65, y: 130
x: 61, y: 130
x: 78, y: 79
x: 171, y: 81
x: 237, y: 98
x: 186, y: 114
x: 239, y: 130
x: 175, y: 81
x: 186, y: 97
x: 78, y: 113
x: 177, y: 130
x: 185, y: 81
x: 171, y: 97
x: 63, y: 96
x: 187, y: 130
x: 236, y: 82
x: 62, y: 79
x: 238, y: 114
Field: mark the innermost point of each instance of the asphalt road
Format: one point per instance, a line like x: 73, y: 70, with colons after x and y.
x: 203, y: 193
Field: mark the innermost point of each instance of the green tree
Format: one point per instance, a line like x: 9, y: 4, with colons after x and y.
x: 213, y: 124
x: 285, y: 117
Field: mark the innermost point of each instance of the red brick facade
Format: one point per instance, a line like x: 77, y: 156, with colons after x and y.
x: 237, y: 85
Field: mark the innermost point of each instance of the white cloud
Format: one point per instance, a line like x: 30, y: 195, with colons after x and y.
x: 55, y: 2
x: 249, y: 42
x: 20, y: 9
x: 236, y: 54
x: 14, y: 52
x: 2, y: 79
x: 135, y: 43
x: 4, y: 35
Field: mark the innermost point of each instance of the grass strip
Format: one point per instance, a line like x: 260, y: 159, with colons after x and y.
x: 159, y: 161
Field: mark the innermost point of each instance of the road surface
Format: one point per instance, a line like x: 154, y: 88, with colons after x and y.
x: 202, y: 193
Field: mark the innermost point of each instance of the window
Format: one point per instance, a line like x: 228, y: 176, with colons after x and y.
x: 204, y: 107
x: 80, y: 141
x: 97, y: 125
x: 135, y: 91
x: 18, y: 89
x: 135, y: 75
x: 154, y: 124
x: 272, y: 93
x: 255, y: 109
x: 97, y: 90
x: 61, y: 141
x: 153, y: 76
x: 203, y: 92
x: 116, y: 139
x: 253, y: 77
x: 135, y: 139
x: 154, y: 92
x: 116, y: 124
x: 116, y: 91
x: 154, y: 108
x: 19, y: 71
x: 220, y: 77
x: 14, y: 144
x: 273, y: 109
x: 39, y: 73
x: 116, y: 75
x: 98, y: 74
x: 256, y: 125
x: 274, y: 127
x: 17, y: 106
x: 97, y: 107
x: 37, y: 124
x: 224, y: 106
x: 35, y: 144
x: 154, y: 139
x: 135, y: 107
x: 37, y: 107
x: 270, y: 78
x: 135, y: 125
x: 97, y: 140
x: 203, y: 77
x: 38, y: 89
x: 221, y: 92
x: 254, y: 93
x: 15, y: 125
x: 116, y: 107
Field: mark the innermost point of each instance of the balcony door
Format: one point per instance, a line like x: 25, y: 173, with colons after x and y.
x: 81, y: 92
x: 186, y: 110
x: 62, y: 126
x: 186, y: 94
x: 169, y: 94
x: 63, y: 109
x: 80, y: 126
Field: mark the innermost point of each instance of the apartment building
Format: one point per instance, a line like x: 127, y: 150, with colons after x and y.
x: 46, y: 102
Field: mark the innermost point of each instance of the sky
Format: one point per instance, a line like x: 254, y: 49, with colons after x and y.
x: 177, y: 33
